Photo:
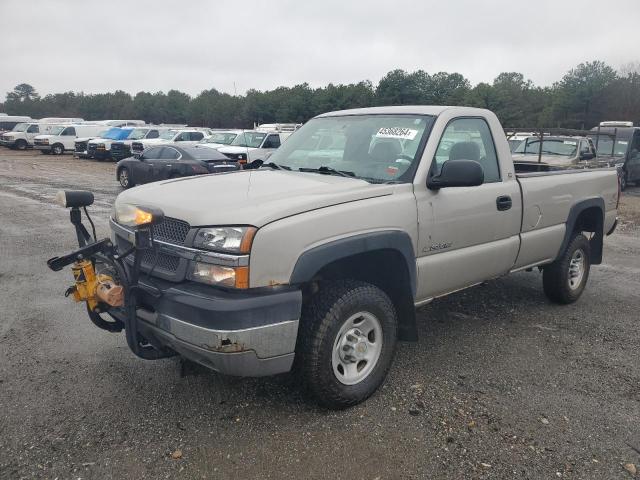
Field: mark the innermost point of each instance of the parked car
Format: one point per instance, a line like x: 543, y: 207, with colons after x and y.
x: 22, y: 135
x: 171, y: 161
x: 62, y: 138
x: 184, y: 136
x: 621, y: 144
x: 323, y: 260
x: 557, y: 151
x: 122, y: 148
x: 8, y: 122
x: 100, y: 148
x: 219, y: 139
x: 253, y: 145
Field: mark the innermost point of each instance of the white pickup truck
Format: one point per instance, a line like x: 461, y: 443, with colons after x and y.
x: 322, y: 253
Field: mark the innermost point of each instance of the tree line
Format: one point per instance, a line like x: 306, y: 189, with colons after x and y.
x: 587, y: 94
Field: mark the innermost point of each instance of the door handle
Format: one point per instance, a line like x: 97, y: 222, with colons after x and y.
x: 503, y: 202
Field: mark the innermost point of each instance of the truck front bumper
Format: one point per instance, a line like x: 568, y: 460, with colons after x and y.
x: 245, y: 333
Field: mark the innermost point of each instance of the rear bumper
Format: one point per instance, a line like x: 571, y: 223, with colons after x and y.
x: 236, y: 333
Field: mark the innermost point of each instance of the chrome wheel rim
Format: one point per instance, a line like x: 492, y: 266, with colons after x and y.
x: 124, y: 178
x: 357, y: 348
x: 576, y: 269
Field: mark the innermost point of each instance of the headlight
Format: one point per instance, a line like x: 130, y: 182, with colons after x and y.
x: 101, y: 146
x: 133, y: 216
x: 225, y: 239
x: 235, y: 277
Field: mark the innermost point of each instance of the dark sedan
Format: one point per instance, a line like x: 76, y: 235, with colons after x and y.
x: 167, y: 161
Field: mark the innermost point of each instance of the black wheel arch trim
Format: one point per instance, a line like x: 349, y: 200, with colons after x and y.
x: 596, y: 241
x: 313, y: 260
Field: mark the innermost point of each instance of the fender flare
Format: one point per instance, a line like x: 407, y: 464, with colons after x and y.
x: 313, y: 260
x: 596, y: 241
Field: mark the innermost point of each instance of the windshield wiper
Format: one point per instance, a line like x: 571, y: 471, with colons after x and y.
x: 330, y: 170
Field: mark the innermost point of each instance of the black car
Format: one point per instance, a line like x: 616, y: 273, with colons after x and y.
x: 168, y: 161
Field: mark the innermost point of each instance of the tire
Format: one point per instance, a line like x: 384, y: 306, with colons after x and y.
x: 21, y: 145
x: 565, y: 279
x: 124, y: 177
x: 341, y: 312
x: 57, y: 149
x: 623, y: 181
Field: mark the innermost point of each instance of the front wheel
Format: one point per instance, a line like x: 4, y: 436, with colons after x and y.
x: 57, y: 149
x: 346, y: 342
x: 565, y: 279
x: 124, y: 177
x: 21, y: 145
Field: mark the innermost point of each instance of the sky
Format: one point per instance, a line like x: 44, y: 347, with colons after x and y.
x: 194, y: 45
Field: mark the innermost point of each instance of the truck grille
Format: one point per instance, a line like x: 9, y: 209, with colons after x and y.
x: 137, y: 147
x: 91, y: 148
x: 81, y: 147
x: 165, y: 262
x: 120, y: 150
x: 171, y: 230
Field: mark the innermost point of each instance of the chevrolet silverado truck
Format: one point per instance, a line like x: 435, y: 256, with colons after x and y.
x: 317, y: 258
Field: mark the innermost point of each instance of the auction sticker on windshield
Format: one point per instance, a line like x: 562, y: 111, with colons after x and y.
x: 397, y: 132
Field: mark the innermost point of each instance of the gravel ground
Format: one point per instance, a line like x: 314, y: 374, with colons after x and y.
x: 502, y: 384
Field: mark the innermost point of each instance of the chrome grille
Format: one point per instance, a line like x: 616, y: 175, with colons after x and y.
x: 171, y: 230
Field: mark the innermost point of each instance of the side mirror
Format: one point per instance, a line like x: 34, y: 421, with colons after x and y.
x: 457, y: 173
x: 586, y: 156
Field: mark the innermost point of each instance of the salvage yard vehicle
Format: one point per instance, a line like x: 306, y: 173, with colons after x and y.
x: 557, y: 151
x: 184, y: 136
x: 8, y: 122
x: 324, y: 259
x: 122, y: 148
x: 100, y: 148
x: 253, y: 145
x: 23, y: 134
x: 620, y: 141
x: 169, y: 161
x: 62, y: 138
x: 220, y: 138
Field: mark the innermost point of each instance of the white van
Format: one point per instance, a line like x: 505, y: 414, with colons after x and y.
x: 8, y: 122
x: 62, y: 138
x: 253, y: 145
x: 60, y: 120
x: 22, y: 135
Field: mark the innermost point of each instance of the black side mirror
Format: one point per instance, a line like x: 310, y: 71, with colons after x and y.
x: 457, y: 173
x: 586, y: 156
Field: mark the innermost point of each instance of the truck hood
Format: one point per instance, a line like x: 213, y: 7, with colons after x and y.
x: 234, y: 149
x: 104, y: 141
x: 249, y: 197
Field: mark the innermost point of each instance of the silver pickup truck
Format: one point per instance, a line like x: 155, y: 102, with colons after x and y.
x: 317, y: 258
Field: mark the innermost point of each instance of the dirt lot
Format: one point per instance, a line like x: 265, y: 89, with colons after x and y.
x: 502, y: 384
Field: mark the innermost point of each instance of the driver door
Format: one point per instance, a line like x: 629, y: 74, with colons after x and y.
x: 466, y: 234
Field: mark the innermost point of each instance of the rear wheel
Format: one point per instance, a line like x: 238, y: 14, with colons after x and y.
x: 565, y: 279
x: 346, y: 342
x: 124, y: 177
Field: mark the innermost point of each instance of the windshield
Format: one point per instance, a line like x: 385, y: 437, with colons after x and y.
x: 56, y: 130
x: 605, y: 145
x: 550, y: 146
x: 21, y: 127
x: 138, y: 133
x: 249, y: 139
x: 376, y: 148
x: 168, y: 134
x: 224, y: 138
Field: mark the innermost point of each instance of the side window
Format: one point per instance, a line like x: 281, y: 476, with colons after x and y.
x: 634, y: 152
x: 196, y: 136
x: 169, y: 153
x: 69, y: 132
x: 272, y: 141
x: 152, y: 152
x: 469, y: 139
x: 182, y: 137
x: 33, y: 129
x: 153, y: 134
